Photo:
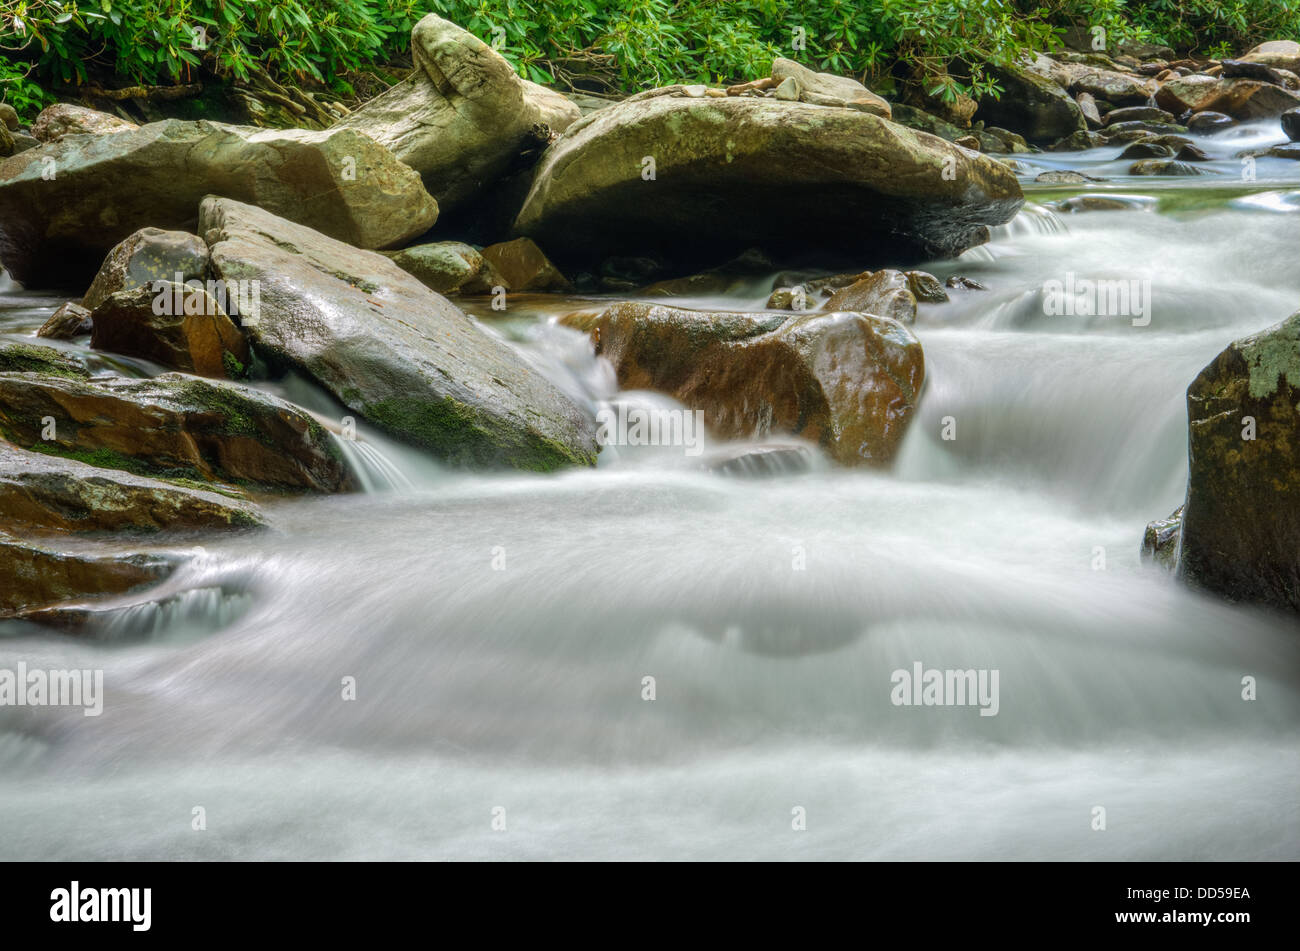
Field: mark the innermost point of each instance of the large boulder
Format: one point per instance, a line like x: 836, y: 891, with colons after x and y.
x: 35, y: 576
x: 180, y: 326
x: 1240, y: 98
x: 149, y: 255
x: 40, y: 492
x: 463, y: 117
x: 732, y: 173
x: 1031, y: 104
x: 1279, y: 54
x: 173, y: 426
x: 64, y: 205
x: 1241, y: 521
x: 63, y: 118
x: 391, y: 349
x: 848, y: 382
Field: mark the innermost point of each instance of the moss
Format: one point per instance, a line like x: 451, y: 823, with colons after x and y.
x: 234, y: 369
x: 32, y: 358
x: 460, y: 435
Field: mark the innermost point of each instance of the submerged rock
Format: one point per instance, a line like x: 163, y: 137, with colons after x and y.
x: 173, y: 426
x: 724, y: 175
x: 846, y: 381
x: 392, y: 350
x: 463, y: 117
x: 64, y: 205
x: 40, y: 492
x: 1241, y: 520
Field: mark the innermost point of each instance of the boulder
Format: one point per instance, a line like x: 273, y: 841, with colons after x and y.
x: 40, y: 492
x: 180, y: 326
x: 923, y: 121
x: 36, y: 576
x: 1279, y: 54
x: 6, y: 142
x: 63, y: 118
x: 1147, y: 150
x: 1088, y: 106
x: 925, y: 287
x: 392, y: 350
x: 848, y: 382
x: 1204, y: 123
x: 1163, y: 167
x: 1241, y: 521
x: 64, y: 205
x: 1031, y: 103
x: 729, y: 174
x: 463, y: 117
x: 9, y: 117
x: 884, y: 293
x: 1239, y: 98
x: 826, y: 89
x: 1248, y: 69
x: 522, y: 266
x: 149, y: 255
x: 1119, y: 89
x: 1291, y: 124
x: 448, y: 267
x: 68, y: 322
x: 173, y: 426
x: 1139, y: 114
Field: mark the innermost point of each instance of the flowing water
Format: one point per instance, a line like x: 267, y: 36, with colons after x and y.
x: 500, y: 627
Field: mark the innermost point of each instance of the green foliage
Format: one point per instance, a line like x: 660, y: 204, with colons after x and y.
x: 629, y: 43
x: 20, y: 91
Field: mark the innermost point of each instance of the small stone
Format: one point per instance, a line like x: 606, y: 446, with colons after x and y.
x: 69, y: 321
x: 788, y: 90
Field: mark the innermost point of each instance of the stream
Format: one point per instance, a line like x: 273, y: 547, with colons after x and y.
x: 500, y: 627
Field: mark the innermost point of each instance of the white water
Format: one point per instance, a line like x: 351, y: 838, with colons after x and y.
x: 522, y: 687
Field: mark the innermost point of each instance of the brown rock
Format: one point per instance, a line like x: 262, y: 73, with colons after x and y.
x: 523, y: 267
x: 177, y: 325
x: 884, y: 293
x: 63, y: 118
x: 36, y: 576
x: 846, y: 381
x: 69, y: 321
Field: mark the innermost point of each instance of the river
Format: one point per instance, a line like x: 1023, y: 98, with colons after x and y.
x: 500, y: 628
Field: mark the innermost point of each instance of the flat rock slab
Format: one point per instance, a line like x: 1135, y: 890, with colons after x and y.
x: 392, y: 350
x: 40, y: 492
x: 64, y: 205
x: 734, y: 173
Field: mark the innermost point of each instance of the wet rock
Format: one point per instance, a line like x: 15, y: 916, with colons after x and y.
x: 969, y: 142
x: 1138, y: 114
x: 885, y: 294
x: 1146, y: 150
x: 39, y: 492
x: 63, y: 118
x: 68, y: 322
x: 462, y: 119
x: 826, y: 89
x: 959, y: 282
x: 1191, y: 153
x: 1291, y: 124
x: 149, y: 255
x: 1078, y: 141
x: 1063, y: 177
x: 1241, y: 520
x: 37, y: 576
x: 56, y: 230
x: 1289, y: 151
x: 1120, y: 89
x: 391, y: 349
x: 1248, y: 69
x: 925, y: 287
x: 36, y: 358
x: 1032, y: 103
x: 523, y: 267
x: 1163, y: 167
x: 1143, y: 125
x: 724, y: 181
x: 448, y: 267
x: 845, y: 381
x: 1204, y: 123
x: 1081, y: 203
x: 1240, y: 98
x: 1160, y: 541
x: 173, y: 426
x: 755, y: 462
x: 180, y: 326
